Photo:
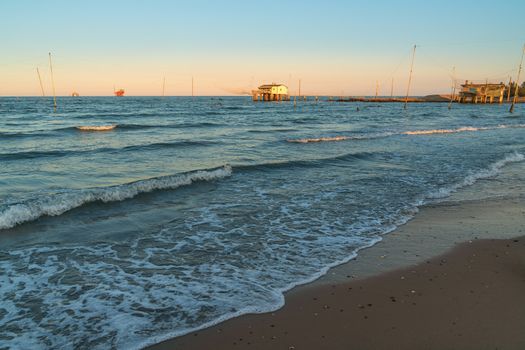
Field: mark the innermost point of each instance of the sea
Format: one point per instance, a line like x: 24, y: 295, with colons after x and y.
x: 180, y: 212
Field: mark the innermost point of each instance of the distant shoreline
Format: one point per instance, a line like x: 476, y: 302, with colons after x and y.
x: 309, y: 98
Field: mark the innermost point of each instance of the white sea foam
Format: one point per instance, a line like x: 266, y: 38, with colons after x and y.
x: 96, y: 127
x: 62, y: 202
x: 409, y: 132
x: 340, y: 138
x: 214, y: 265
x: 470, y: 179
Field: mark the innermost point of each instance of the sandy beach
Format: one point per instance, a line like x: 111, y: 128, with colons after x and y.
x: 451, y: 278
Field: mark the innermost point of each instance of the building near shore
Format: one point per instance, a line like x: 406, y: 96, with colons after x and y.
x: 481, y: 93
x: 271, y: 92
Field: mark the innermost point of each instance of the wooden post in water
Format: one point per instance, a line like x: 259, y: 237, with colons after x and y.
x: 508, y: 92
x: 511, y: 110
x: 40, y: 80
x: 53, y: 83
x: 410, y: 76
x: 453, y: 87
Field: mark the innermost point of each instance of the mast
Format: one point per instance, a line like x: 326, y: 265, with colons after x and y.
x: 40, y: 80
x: 53, y: 83
x: 377, y: 87
x: 410, y: 76
x: 511, y: 110
x: 453, y: 93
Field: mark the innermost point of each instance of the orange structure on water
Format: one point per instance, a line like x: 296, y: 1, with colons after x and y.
x: 119, y: 92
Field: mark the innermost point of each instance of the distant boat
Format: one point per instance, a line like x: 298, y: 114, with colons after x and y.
x: 96, y: 127
x: 75, y: 94
x: 119, y: 92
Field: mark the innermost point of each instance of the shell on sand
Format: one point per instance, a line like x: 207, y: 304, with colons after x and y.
x: 96, y: 127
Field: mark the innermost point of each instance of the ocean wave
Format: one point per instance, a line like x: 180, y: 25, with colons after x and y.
x: 308, y: 163
x: 463, y: 129
x: 96, y: 127
x: 493, y: 170
x: 58, y: 204
x: 441, y: 131
x: 409, y: 132
x: 67, y: 153
x: 403, y: 217
x: 53, y: 132
x: 341, y: 138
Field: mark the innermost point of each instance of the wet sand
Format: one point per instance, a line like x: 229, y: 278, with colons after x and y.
x: 420, y: 288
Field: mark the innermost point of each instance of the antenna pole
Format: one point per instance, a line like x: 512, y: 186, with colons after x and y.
x: 53, y: 83
x: 511, y: 110
x: 453, y: 87
x: 410, y: 76
x: 40, y: 80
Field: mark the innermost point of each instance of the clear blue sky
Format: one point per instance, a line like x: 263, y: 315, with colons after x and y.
x: 228, y: 45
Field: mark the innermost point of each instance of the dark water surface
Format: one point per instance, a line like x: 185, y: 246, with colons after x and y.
x: 191, y: 211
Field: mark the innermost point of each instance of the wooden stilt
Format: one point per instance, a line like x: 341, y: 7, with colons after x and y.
x: 453, y: 87
x: 410, y: 76
x: 516, y: 91
x: 53, y: 84
x: 508, y: 92
x: 40, y: 80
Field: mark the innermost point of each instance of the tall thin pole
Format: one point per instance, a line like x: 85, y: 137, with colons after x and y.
x: 453, y: 87
x: 163, y: 85
x: 377, y: 87
x: 53, y: 83
x: 192, y: 86
x: 410, y: 76
x: 40, y: 80
x: 299, y: 89
x: 511, y: 110
x: 392, y: 88
x: 508, y: 91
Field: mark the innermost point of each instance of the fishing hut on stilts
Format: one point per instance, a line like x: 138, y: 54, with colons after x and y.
x: 481, y: 93
x: 271, y: 92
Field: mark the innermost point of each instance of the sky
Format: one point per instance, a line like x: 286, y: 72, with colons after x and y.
x: 229, y: 47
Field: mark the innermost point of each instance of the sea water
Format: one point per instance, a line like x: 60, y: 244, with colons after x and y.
x: 126, y: 221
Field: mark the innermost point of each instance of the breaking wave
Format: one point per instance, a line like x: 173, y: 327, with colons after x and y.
x: 410, y: 132
x: 469, y: 180
x: 62, y: 202
x: 96, y: 127
x: 341, y: 138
